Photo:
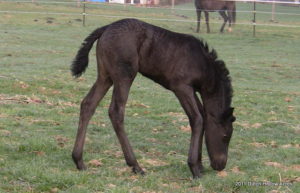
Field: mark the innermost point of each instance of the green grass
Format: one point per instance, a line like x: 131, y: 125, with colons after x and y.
x: 39, y: 106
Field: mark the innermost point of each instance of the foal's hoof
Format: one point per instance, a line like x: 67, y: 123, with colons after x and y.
x: 197, y: 176
x: 81, y: 166
x: 197, y: 171
x: 138, y: 170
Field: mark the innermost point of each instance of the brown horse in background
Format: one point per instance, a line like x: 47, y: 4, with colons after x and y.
x: 215, y: 5
x: 180, y: 63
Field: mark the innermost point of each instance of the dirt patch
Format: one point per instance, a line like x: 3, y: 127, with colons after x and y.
x: 24, y: 99
x: 281, y: 166
x: 21, y: 99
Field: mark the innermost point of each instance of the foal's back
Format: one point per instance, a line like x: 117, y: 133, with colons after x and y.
x: 130, y: 46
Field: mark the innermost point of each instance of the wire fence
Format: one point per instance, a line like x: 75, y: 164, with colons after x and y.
x: 82, y: 5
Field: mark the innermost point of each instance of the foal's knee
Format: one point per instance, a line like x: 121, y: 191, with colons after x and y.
x: 197, y: 124
x: 116, y: 113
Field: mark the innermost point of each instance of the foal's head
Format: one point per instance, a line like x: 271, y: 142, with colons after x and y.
x: 218, y: 113
x: 218, y: 131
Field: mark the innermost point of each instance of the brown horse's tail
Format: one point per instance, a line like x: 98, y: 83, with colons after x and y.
x: 81, y: 60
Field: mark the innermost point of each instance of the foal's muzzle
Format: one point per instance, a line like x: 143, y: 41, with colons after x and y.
x: 219, y: 163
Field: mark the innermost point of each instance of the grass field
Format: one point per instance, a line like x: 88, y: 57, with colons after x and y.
x: 39, y: 106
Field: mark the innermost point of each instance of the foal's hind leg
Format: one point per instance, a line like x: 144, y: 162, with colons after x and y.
x: 185, y: 94
x: 88, y: 107
x: 116, y: 114
x: 223, y: 14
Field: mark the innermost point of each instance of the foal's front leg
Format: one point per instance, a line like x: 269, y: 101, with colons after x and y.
x: 185, y: 94
x: 201, y: 110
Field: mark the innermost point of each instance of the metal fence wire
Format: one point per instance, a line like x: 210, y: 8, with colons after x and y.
x: 84, y: 11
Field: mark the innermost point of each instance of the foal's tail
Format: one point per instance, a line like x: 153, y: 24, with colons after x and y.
x: 81, y: 60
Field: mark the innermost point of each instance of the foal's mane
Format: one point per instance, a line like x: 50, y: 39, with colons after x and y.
x: 217, y: 80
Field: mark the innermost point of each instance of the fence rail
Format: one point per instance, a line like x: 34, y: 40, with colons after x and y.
x: 84, y: 13
x: 266, y: 1
x: 141, y: 18
x: 153, y: 7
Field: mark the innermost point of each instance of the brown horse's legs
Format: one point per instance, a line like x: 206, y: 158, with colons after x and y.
x: 200, y: 107
x: 198, y: 20
x: 223, y: 14
x: 185, y: 94
x: 207, y: 21
x: 88, y: 107
x: 116, y: 114
x: 230, y: 18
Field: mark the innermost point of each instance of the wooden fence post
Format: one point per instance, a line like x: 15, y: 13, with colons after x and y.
x: 254, y: 18
x: 273, y: 12
x: 83, y: 13
x: 173, y: 5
